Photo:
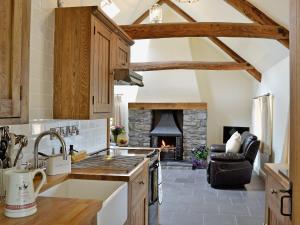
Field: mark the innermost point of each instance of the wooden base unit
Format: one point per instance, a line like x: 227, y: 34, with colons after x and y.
x: 86, y: 53
x: 275, y: 184
x: 138, y: 198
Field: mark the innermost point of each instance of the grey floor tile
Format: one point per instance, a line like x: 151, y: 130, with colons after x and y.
x: 219, y: 220
x: 203, y: 208
x: 189, y: 200
x: 257, y: 211
x: 234, y: 210
x: 249, y: 220
x: 191, y: 218
x: 230, y: 193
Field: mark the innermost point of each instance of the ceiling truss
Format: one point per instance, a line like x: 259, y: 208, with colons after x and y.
x: 244, y: 7
x: 189, y: 65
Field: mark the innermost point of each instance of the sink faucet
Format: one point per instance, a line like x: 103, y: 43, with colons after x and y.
x: 37, y: 142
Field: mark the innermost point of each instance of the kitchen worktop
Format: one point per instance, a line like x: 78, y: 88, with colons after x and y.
x: 71, y: 211
x: 54, y: 211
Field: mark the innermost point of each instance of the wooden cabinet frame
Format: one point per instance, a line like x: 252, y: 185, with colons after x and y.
x: 85, y: 57
x: 295, y: 107
x: 15, y: 80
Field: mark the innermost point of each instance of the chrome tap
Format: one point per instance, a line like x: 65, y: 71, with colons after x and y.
x: 37, y: 141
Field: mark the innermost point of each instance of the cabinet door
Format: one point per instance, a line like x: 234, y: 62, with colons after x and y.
x: 123, y: 54
x: 139, y: 213
x: 14, y: 59
x: 102, y: 75
x: 273, y: 203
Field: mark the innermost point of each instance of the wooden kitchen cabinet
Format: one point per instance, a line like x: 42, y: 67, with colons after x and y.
x: 138, y: 198
x: 123, y: 54
x: 275, y: 183
x: 14, y: 61
x: 85, y: 57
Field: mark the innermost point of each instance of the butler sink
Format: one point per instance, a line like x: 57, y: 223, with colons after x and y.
x: 112, y: 194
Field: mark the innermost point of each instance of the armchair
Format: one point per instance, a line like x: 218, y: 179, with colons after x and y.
x: 232, y: 169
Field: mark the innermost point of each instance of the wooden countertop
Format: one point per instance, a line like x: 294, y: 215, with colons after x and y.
x: 113, y: 175
x: 273, y: 170
x: 62, y: 211
x: 57, y: 211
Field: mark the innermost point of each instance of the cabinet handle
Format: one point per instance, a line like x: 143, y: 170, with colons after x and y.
x: 274, y: 191
x: 141, y: 182
x: 288, y: 194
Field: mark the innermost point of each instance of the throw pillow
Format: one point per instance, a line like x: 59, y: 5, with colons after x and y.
x: 234, y: 143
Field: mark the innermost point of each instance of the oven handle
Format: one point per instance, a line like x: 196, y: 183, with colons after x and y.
x: 154, y: 166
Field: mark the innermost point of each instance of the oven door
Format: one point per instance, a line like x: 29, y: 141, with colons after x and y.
x: 153, y: 183
x: 153, y: 194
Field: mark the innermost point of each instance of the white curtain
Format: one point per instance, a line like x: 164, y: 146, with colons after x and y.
x: 119, y: 111
x: 263, y: 122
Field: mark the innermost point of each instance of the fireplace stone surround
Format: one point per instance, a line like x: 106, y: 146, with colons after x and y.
x: 194, y: 124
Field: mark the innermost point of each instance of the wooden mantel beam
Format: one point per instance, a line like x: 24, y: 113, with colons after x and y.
x: 257, y: 16
x: 167, y: 105
x: 171, y: 30
x: 189, y: 65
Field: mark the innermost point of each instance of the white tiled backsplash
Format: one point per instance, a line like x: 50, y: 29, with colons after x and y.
x: 92, y: 135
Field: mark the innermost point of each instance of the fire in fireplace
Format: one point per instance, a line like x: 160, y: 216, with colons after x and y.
x: 167, y: 136
x: 168, y: 148
x: 164, y: 145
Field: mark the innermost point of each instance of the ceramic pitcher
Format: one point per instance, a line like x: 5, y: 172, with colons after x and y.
x: 20, y: 194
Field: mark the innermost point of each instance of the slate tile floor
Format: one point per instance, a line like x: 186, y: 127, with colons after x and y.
x: 189, y: 200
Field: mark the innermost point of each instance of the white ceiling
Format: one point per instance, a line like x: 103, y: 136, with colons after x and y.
x: 262, y: 53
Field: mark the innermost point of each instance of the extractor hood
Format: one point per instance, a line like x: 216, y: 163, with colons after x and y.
x: 128, y: 77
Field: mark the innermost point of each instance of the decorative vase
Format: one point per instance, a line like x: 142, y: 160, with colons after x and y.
x: 122, y: 140
x: 115, y: 138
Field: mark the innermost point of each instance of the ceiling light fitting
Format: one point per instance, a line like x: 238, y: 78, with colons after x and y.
x: 156, y: 15
x: 187, y: 1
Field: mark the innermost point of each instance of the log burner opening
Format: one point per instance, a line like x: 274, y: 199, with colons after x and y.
x: 167, y: 134
x: 168, y: 148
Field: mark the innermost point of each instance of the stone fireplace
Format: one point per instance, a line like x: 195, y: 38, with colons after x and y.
x: 176, y: 127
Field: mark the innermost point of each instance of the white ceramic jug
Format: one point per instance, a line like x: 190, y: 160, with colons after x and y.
x: 20, y: 193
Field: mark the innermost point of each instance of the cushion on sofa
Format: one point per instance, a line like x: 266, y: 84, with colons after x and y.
x: 234, y: 143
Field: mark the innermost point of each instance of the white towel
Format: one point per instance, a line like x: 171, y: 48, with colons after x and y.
x: 160, y: 190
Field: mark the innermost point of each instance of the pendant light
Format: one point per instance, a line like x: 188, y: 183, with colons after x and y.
x: 156, y: 15
x: 187, y: 1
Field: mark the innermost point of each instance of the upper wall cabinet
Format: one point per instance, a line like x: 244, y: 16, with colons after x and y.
x: 14, y: 61
x: 123, y: 54
x: 86, y: 53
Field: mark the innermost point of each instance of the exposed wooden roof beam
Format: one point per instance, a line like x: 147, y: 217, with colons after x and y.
x: 253, y: 72
x: 182, y: 13
x: 189, y: 65
x: 256, y: 15
x: 215, y: 29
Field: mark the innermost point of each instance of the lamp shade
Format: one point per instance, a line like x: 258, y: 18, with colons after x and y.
x: 156, y: 14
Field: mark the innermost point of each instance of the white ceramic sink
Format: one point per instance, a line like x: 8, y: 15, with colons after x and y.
x: 112, y: 194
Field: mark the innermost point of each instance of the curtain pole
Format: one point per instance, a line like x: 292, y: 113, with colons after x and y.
x: 268, y: 94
